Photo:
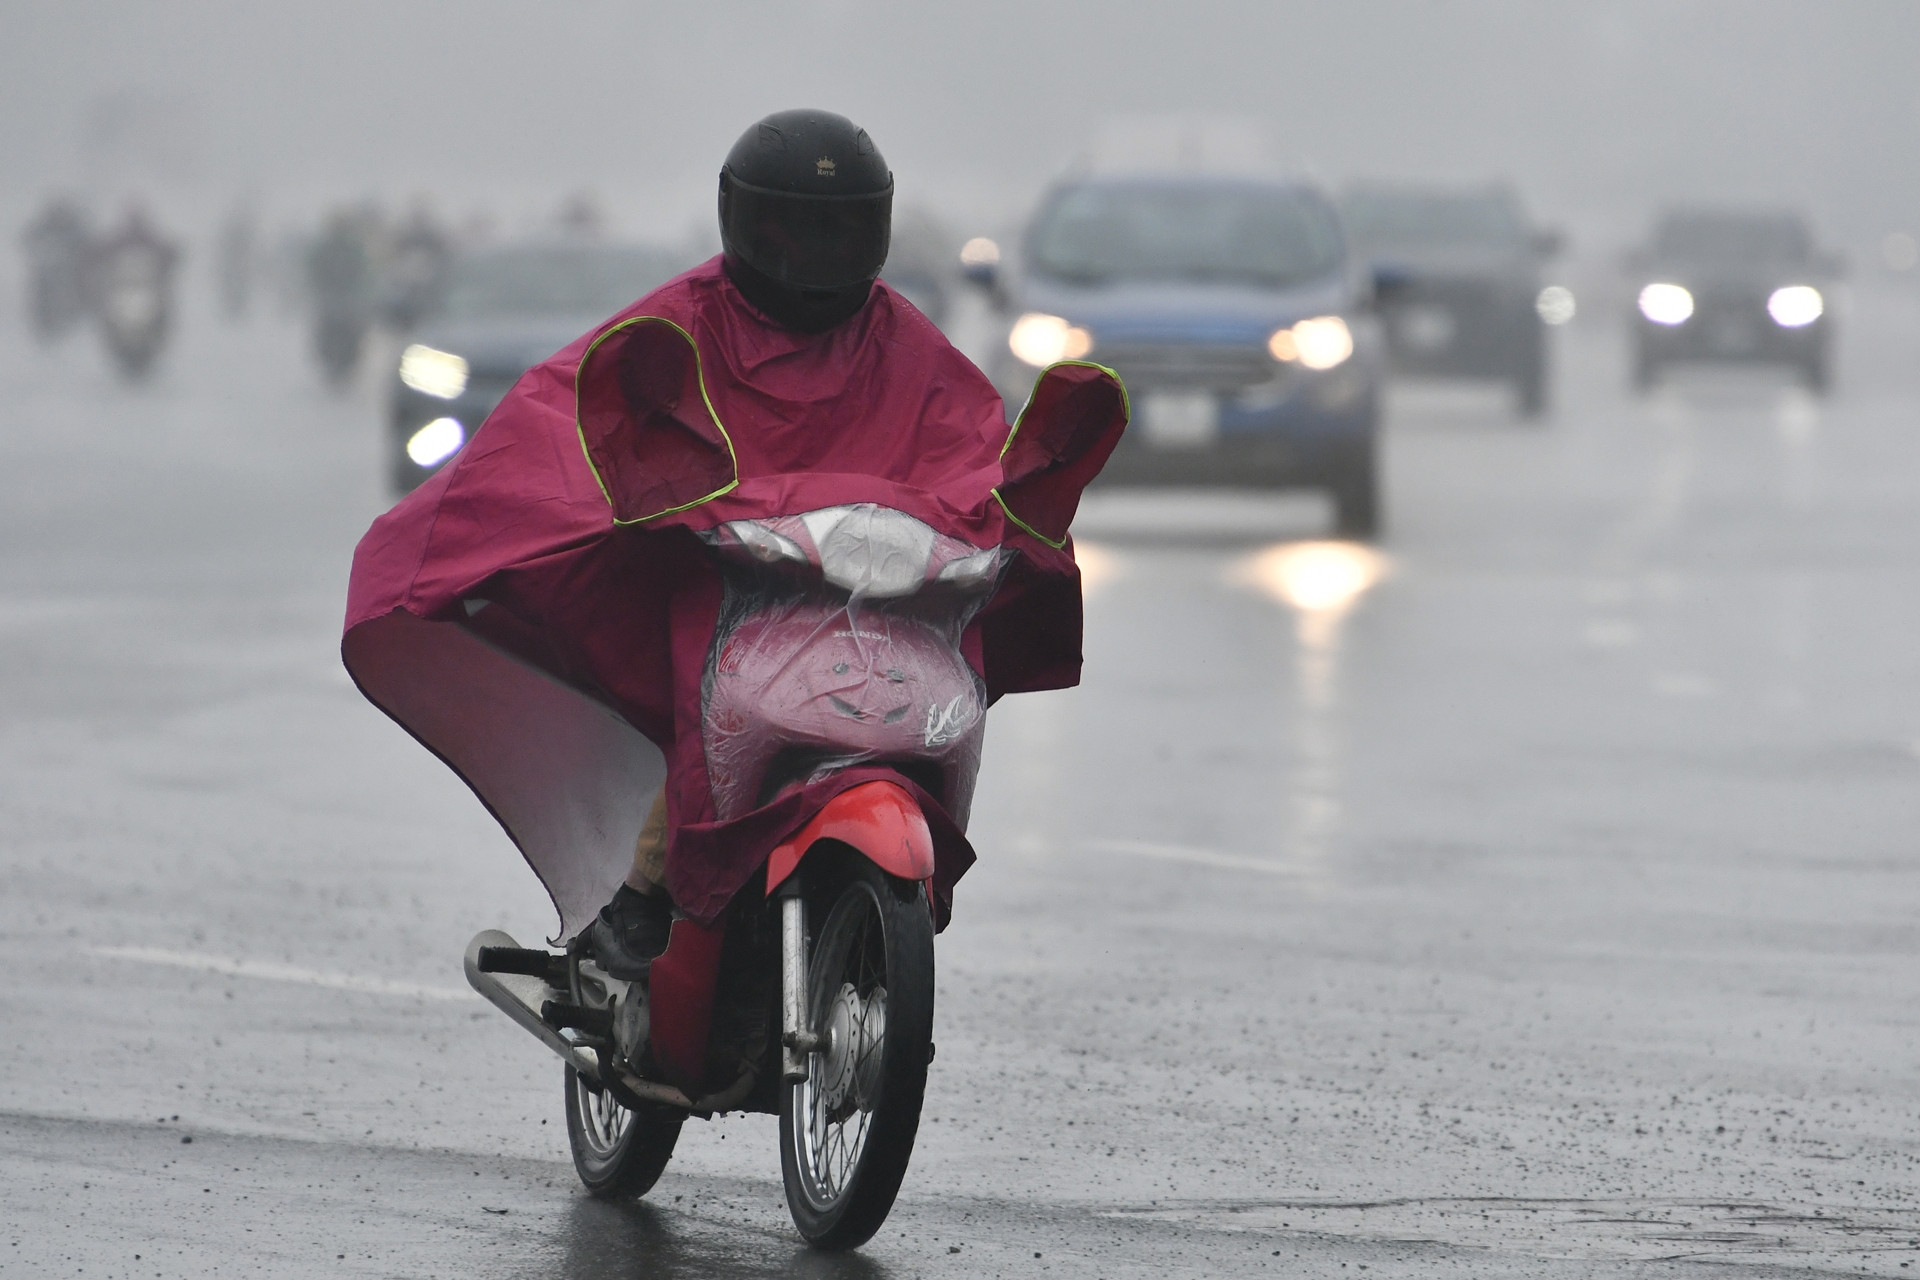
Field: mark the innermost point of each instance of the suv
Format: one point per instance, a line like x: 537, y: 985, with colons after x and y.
x: 1731, y: 286
x: 1461, y: 270
x: 1235, y: 315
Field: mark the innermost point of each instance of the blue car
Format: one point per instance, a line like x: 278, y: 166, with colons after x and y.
x: 1236, y: 315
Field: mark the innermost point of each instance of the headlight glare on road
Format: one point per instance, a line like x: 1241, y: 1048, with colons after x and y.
x: 1554, y: 305
x: 1796, y: 306
x: 431, y: 372
x: 1667, y: 304
x: 1320, y: 343
x: 1315, y: 577
x: 436, y: 442
x: 1041, y: 339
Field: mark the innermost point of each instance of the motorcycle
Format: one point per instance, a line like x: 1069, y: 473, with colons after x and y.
x: 133, y: 300
x: 839, y: 647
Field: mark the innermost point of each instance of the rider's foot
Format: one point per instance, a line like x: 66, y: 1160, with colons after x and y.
x: 630, y: 932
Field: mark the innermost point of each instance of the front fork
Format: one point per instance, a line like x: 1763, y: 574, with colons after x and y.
x: 797, y: 1040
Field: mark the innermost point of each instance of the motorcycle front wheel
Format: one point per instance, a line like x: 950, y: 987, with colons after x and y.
x: 619, y: 1153
x: 847, y: 1130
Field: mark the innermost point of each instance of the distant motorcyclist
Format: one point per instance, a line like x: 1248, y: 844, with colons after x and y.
x: 343, y: 287
x: 130, y: 285
x: 416, y: 270
x: 57, y: 244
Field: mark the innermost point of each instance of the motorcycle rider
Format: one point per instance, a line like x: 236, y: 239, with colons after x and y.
x: 541, y: 612
x: 130, y: 288
x: 806, y: 216
x: 343, y: 285
x: 416, y: 269
x: 57, y: 244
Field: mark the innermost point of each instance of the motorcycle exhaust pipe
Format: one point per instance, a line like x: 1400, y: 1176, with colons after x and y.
x: 520, y: 996
x: 520, y: 983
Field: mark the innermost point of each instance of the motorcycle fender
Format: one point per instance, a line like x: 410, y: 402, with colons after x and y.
x: 878, y: 818
x: 680, y: 1002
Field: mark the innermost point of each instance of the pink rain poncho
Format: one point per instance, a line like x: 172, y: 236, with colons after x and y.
x: 539, y: 613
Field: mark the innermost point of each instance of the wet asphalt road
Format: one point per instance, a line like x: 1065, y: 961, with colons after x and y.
x: 1547, y: 910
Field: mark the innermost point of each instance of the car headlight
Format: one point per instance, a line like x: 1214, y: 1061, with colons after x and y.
x: 1666, y: 303
x: 431, y: 372
x: 1318, y: 343
x: 436, y: 442
x: 1041, y: 339
x: 1554, y: 305
x: 1796, y: 306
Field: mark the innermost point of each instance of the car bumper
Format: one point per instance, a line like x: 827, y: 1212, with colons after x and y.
x: 1733, y: 338
x: 1312, y: 436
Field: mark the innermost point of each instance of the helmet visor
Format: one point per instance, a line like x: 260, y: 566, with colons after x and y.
x: 809, y: 242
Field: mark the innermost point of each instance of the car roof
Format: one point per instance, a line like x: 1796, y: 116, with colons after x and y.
x: 1165, y: 179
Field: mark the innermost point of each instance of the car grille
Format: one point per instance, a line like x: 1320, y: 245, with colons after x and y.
x: 1190, y: 366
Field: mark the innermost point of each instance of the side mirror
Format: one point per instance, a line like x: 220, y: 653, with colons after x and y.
x: 1549, y: 242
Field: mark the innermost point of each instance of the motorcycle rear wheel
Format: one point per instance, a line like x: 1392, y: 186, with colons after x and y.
x: 847, y: 1131
x: 619, y: 1153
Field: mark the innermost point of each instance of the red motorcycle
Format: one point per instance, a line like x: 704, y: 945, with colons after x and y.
x: 840, y: 646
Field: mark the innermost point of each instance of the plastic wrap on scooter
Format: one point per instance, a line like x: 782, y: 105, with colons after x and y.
x: 839, y: 644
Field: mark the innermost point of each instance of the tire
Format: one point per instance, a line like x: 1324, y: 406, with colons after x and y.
x: 619, y: 1153
x: 1356, y: 496
x: 847, y: 1131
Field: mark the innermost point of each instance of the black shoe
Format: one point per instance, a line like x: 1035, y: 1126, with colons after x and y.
x: 630, y: 933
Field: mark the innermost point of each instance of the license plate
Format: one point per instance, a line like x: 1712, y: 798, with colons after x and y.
x: 1734, y: 337
x: 1180, y: 419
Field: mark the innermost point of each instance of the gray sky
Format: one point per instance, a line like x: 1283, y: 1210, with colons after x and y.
x: 1597, y: 110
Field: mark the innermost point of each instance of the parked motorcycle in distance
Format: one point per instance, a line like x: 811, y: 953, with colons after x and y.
x: 131, y: 287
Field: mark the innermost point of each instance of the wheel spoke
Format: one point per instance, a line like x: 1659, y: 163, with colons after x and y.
x: 831, y: 1128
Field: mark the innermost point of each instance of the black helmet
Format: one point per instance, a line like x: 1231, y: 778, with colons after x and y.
x: 806, y: 215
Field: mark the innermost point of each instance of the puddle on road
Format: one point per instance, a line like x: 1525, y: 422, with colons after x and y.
x: 1868, y: 1241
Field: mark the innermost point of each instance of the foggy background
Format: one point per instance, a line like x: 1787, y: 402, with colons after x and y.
x: 1595, y: 111
x: 1543, y: 908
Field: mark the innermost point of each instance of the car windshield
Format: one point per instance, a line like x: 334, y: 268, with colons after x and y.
x: 1732, y: 238
x: 1099, y: 233
x: 1382, y: 219
x: 554, y: 280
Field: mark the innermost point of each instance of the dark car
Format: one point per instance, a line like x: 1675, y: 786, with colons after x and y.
x: 1461, y: 295
x: 1732, y: 286
x: 1235, y: 315
x: 504, y: 310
